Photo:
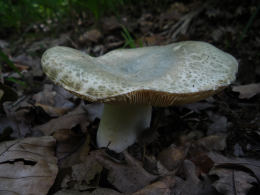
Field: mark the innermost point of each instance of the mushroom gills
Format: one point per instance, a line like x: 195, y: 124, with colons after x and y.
x: 121, y: 124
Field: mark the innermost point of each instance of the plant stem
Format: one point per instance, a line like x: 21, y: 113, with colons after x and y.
x: 121, y: 124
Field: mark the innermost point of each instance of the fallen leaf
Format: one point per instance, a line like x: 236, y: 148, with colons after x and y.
x: 253, y: 166
x: 46, y: 96
x: 198, y: 106
x: 83, y: 175
x: 71, y: 192
x: 93, y: 35
x: 200, y: 158
x: 172, y: 157
x: 18, y: 118
x: 247, y: 91
x: 1, y: 94
x: 72, y: 148
x: 98, y: 191
x: 151, y: 40
x: 232, y: 181
x: 219, y: 124
x: 76, y: 117
x: 213, y: 142
x: 27, y: 166
x: 54, y: 100
x: 62, y: 98
x: 52, y: 111
x: 110, y: 24
x: 192, y: 185
x: 128, y: 177
x: 238, y: 150
x: 29, y: 62
x: 161, y: 187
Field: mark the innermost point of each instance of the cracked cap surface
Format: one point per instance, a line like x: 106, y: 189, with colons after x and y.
x: 178, y: 73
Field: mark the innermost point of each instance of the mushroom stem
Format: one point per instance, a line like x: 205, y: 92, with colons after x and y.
x: 121, y: 124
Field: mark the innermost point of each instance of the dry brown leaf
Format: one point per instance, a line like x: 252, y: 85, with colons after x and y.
x: 232, y: 181
x: 83, y: 175
x: 98, y: 191
x: 252, y: 166
x: 54, y: 100
x: 93, y: 35
x: 76, y: 117
x: 1, y: 94
x: 110, y: 24
x: 72, y: 150
x: 161, y: 187
x: 172, y: 157
x: 213, y: 142
x: 27, y: 166
x: 53, y: 111
x: 247, y: 91
x: 192, y: 185
x: 128, y: 177
x: 198, y: 106
x: 46, y: 96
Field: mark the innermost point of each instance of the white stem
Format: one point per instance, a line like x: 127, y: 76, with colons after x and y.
x: 121, y: 124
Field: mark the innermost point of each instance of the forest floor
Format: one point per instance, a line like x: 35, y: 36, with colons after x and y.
x: 47, y: 135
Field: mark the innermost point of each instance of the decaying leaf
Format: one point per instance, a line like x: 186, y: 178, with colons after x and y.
x: 232, y: 181
x: 192, y: 185
x: 219, y: 125
x: 46, y: 96
x: 72, y: 148
x: 53, y: 100
x: 27, y: 166
x: 93, y: 35
x: 252, y: 166
x: 52, y: 111
x: 128, y: 177
x: 1, y: 94
x: 213, y: 142
x: 198, y: 106
x: 172, y: 157
x: 247, y: 91
x: 76, y: 117
x: 161, y: 187
x: 98, y: 191
x: 83, y: 174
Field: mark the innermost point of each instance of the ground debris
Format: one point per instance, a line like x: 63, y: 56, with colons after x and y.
x: 27, y: 166
x: 127, y: 177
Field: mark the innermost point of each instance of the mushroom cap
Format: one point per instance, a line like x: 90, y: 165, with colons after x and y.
x: 178, y: 73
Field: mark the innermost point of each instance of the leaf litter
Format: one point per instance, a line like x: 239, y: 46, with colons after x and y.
x: 27, y: 166
x: 193, y: 147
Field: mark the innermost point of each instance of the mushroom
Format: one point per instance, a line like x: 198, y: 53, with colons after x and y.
x: 130, y: 81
